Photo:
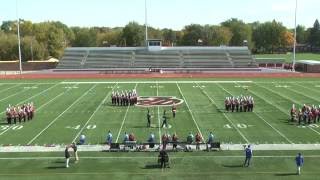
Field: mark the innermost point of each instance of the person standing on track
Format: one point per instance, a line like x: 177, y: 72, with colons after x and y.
x: 299, y: 163
x: 67, y: 156
x: 75, y: 150
x: 248, y: 153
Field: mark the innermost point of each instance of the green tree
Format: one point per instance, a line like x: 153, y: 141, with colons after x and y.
x: 240, y: 31
x: 269, y: 36
x: 84, y: 37
x: 8, y: 46
x: 111, y: 37
x: 169, y: 37
x: 220, y: 36
x: 133, y: 34
x: 314, y: 37
x: 191, y: 34
x: 301, y: 35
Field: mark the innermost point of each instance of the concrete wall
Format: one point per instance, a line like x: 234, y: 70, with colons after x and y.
x: 308, y: 68
x: 27, y: 66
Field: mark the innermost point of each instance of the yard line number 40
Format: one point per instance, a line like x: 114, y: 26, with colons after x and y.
x: 7, y: 127
x: 89, y: 127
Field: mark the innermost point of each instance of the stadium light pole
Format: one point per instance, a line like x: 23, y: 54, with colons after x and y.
x: 19, y: 40
x: 295, y: 37
x: 146, y: 21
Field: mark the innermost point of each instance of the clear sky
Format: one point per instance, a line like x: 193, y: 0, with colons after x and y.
x: 161, y: 13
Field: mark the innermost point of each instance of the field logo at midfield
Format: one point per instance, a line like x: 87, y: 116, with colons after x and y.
x: 147, y: 101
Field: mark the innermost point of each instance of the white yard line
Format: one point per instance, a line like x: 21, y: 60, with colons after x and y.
x: 19, y: 92
x: 159, y: 124
x: 35, y: 95
x: 280, y: 133
x: 302, y: 94
x: 213, y: 102
x: 61, y: 115
x: 96, y: 110
x: 124, y: 118
x: 7, y: 129
x: 286, y: 112
x: 275, y: 129
x: 9, y: 88
x: 309, y: 89
x: 148, y: 82
x: 38, y: 109
x: 194, y: 120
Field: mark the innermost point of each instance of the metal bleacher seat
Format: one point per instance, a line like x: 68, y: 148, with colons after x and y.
x: 169, y: 57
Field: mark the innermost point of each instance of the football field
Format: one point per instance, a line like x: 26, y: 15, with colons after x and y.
x: 65, y: 109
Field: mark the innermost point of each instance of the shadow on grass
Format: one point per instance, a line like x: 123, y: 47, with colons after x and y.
x: 58, y: 164
x: 138, y: 127
x: 233, y: 166
x: 56, y: 167
x: 286, y: 174
x: 152, y: 166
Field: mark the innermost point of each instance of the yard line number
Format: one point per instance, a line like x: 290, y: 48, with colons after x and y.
x: 240, y: 125
x: 15, y: 127
x: 310, y: 125
x: 89, y: 127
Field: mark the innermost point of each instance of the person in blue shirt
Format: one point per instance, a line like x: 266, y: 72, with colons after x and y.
x: 126, y: 137
x: 248, y: 152
x: 299, y: 162
x: 109, y: 138
x: 82, y: 139
x: 151, y: 140
x: 210, y: 140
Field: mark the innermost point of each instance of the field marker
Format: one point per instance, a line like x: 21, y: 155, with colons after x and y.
x: 124, y: 118
x: 289, y: 100
x: 275, y: 129
x: 85, y: 125
x: 185, y: 100
x: 61, y: 115
x: 212, y: 101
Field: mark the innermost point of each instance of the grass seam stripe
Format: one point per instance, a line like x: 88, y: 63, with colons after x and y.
x: 103, y: 101
x: 60, y: 115
x: 124, y: 118
x: 213, y: 102
x: 272, y: 91
x: 185, y: 100
x: 275, y: 129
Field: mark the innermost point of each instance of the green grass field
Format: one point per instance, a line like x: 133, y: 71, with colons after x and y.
x: 289, y: 56
x: 66, y: 109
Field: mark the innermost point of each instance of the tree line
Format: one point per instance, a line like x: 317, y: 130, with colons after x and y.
x: 49, y: 39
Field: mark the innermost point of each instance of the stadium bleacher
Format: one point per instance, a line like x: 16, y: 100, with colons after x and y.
x: 167, y: 57
x: 72, y: 59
